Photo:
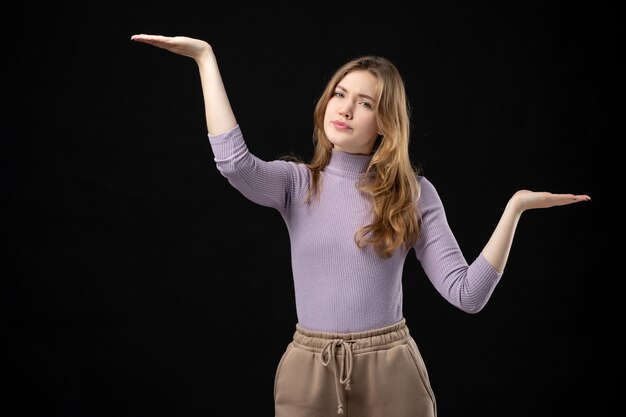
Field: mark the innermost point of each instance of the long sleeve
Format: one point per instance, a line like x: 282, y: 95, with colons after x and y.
x: 267, y: 183
x: 466, y: 286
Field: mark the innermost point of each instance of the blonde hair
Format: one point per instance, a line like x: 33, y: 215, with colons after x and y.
x: 390, y: 179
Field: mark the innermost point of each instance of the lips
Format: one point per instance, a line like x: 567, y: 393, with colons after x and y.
x: 340, y: 125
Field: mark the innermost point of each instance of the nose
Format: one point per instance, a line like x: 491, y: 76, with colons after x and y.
x: 345, y: 113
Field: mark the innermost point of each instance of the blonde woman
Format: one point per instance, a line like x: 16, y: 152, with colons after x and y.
x: 354, y: 212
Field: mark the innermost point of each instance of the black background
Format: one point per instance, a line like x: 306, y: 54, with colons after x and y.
x: 140, y: 283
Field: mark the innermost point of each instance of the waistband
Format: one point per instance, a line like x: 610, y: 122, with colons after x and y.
x: 381, y: 338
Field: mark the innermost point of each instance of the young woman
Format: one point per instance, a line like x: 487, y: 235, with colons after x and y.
x: 353, y: 213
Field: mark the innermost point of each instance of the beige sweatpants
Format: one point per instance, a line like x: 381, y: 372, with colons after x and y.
x: 377, y: 373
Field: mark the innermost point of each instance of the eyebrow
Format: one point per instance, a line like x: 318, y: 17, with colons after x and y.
x: 360, y: 95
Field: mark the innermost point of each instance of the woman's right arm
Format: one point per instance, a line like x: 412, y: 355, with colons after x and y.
x: 219, y: 114
x: 271, y: 184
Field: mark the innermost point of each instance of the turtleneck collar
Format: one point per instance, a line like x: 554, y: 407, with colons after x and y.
x: 349, y: 163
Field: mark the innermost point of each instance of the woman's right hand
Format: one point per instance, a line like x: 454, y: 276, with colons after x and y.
x: 219, y: 115
x: 181, y: 45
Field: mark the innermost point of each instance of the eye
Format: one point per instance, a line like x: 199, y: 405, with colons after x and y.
x: 337, y: 94
x: 366, y: 104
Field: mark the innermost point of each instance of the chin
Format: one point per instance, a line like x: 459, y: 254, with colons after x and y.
x: 334, y: 143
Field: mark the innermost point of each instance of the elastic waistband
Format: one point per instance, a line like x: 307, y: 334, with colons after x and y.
x: 376, y: 339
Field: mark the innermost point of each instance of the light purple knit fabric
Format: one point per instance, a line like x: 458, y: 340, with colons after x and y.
x: 340, y: 288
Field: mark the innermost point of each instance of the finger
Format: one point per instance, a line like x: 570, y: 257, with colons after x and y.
x: 152, y: 39
x: 571, y: 199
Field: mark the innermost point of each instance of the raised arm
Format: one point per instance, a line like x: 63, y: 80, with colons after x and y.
x: 219, y: 114
x: 497, y: 249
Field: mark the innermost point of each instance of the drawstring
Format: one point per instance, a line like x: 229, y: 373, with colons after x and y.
x: 345, y: 373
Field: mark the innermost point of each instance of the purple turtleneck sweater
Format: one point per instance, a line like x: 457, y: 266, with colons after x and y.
x: 339, y: 287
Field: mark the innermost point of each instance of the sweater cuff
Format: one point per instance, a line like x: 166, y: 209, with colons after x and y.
x: 224, y: 136
x: 484, y: 267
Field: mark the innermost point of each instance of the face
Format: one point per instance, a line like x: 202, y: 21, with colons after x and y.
x: 350, y: 117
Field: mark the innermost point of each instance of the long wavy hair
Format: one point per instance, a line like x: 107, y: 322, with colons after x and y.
x: 391, y: 178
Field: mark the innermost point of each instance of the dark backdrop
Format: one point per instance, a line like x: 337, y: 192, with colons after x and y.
x: 140, y: 283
